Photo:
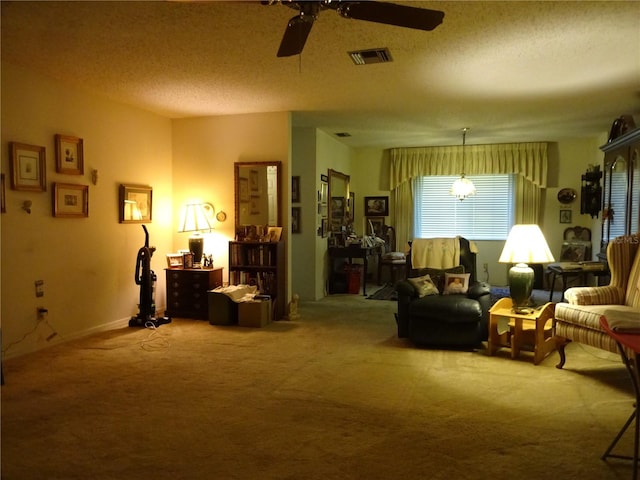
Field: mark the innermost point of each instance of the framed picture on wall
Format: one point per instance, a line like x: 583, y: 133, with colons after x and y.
x: 69, y: 155
x: 295, y: 189
x: 70, y: 200
x: 376, y: 206
x: 565, y: 216
x: 28, y: 167
x: 374, y: 225
x: 243, y: 189
x: 135, y: 203
x: 295, y: 219
x: 253, y: 180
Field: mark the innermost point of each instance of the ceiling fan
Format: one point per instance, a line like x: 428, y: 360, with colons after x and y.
x: 299, y: 26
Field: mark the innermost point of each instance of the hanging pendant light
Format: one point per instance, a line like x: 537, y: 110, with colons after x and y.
x: 463, y: 187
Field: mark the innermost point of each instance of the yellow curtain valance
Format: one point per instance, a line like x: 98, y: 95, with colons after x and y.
x: 526, y: 159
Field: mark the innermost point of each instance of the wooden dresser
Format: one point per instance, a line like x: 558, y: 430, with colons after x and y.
x: 187, y: 291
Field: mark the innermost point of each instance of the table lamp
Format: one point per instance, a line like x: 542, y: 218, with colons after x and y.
x: 525, y: 244
x: 195, y: 219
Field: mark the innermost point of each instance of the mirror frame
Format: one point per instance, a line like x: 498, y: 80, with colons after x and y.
x: 236, y: 194
x: 347, y: 179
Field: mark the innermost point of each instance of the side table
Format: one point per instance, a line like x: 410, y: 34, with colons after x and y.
x: 510, y: 329
x: 580, y: 269
x: 627, y: 342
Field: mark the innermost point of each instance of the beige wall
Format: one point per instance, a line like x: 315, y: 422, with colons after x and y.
x: 204, y: 152
x: 87, y: 264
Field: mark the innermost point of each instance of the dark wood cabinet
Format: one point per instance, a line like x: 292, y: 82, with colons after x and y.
x: 187, y: 291
x: 261, y: 264
x: 621, y: 187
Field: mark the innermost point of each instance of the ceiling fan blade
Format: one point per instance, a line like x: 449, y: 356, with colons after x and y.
x: 295, y: 35
x: 392, y: 14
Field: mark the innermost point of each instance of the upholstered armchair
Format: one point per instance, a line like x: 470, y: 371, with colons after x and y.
x: 436, y: 315
x: 578, y: 319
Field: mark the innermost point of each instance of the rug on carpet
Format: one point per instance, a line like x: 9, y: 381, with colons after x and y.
x: 388, y: 292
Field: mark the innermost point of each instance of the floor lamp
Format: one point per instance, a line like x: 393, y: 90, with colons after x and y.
x: 525, y: 244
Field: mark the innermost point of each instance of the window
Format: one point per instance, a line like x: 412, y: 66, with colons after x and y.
x: 618, y: 203
x: 488, y: 215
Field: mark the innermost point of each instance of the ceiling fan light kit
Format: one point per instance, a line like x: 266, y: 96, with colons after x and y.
x: 299, y: 27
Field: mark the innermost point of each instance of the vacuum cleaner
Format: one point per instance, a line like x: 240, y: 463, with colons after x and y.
x: 146, y: 278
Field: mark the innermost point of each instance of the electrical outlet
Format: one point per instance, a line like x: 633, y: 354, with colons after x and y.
x: 39, y: 288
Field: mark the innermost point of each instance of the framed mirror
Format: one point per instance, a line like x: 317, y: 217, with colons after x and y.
x: 339, y: 201
x: 257, y: 194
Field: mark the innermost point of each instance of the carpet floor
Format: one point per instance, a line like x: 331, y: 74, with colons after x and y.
x: 332, y: 395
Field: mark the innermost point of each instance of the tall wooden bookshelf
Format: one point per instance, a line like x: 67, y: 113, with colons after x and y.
x: 260, y: 264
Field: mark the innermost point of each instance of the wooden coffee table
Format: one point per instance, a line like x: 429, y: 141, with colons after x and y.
x: 516, y: 330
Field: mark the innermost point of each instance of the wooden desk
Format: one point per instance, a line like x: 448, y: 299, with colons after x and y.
x: 632, y: 362
x: 510, y: 329
x: 350, y: 252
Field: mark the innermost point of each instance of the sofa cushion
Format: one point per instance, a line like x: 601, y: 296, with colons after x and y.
x: 424, y: 286
x: 437, y: 274
x: 632, y: 297
x: 588, y: 316
x: 456, y: 283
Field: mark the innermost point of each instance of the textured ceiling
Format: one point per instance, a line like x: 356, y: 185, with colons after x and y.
x: 511, y: 71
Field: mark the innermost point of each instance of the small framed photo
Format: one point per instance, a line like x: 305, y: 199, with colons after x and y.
x: 70, y: 200
x: 295, y: 189
x: 28, y: 167
x: 187, y: 260
x: 565, y: 216
x: 376, y: 206
x: 135, y: 203
x: 274, y: 233
x: 69, y: 155
x: 174, y: 260
x: 295, y: 219
x: 325, y: 227
x: 322, y: 197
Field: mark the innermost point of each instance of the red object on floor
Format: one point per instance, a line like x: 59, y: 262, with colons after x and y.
x: 354, y: 272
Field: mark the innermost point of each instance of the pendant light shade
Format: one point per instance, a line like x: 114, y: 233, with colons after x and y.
x: 463, y: 187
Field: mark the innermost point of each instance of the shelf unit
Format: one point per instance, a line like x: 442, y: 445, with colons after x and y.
x: 260, y: 264
x: 621, y: 189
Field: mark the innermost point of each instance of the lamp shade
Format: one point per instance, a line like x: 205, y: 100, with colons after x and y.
x: 195, y: 219
x: 526, y: 244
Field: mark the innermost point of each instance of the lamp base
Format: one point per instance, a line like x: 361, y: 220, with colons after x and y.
x: 521, y: 278
x: 196, y: 246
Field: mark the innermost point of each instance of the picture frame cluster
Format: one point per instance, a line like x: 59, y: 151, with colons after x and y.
x: 28, y: 173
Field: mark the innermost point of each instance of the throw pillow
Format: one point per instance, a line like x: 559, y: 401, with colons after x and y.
x: 424, y: 286
x: 456, y: 283
x: 437, y: 275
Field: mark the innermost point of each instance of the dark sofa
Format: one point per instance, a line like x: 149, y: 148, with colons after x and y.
x: 448, y: 321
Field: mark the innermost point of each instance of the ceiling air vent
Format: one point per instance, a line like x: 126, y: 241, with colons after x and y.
x: 343, y: 134
x: 374, y: 55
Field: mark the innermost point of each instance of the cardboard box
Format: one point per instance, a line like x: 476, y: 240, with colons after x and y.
x: 222, y: 310
x: 255, y: 313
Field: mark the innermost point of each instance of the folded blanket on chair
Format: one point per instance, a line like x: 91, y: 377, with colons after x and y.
x: 435, y: 252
